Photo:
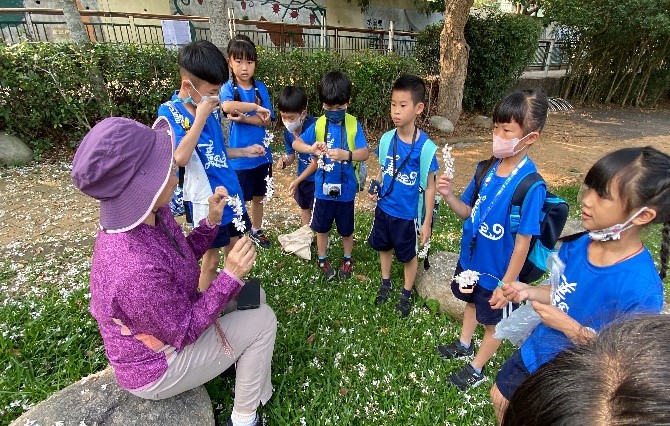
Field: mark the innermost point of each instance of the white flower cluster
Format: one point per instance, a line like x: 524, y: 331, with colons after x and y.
x: 322, y: 165
x: 424, y: 251
x: 267, y: 139
x: 269, y: 189
x: 235, y: 203
x: 467, y: 279
x: 448, y: 161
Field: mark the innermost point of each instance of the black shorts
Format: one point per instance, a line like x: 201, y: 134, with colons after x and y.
x: 304, y: 194
x: 389, y: 232
x: 228, y: 231
x: 252, y: 181
x: 511, y: 375
x: 480, y: 297
x: 325, y: 211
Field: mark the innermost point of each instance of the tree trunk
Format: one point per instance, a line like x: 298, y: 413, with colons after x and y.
x: 78, y: 33
x: 218, y: 23
x: 453, y: 59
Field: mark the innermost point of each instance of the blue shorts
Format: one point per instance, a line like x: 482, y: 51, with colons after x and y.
x: 325, y: 211
x: 304, y: 194
x: 252, y: 181
x: 480, y: 297
x: 389, y: 232
x: 511, y: 375
x: 228, y: 231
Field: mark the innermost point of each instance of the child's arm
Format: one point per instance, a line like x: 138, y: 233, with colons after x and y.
x: 461, y: 209
x: 304, y: 175
x: 558, y: 320
x: 285, y: 161
x: 338, y: 154
x: 317, y: 148
x: 183, y: 152
x: 430, y: 203
x: 239, y: 109
x: 519, y: 254
x: 255, y: 150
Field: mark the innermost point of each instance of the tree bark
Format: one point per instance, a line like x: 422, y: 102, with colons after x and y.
x: 218, y: 23
x: 78, y: 33
x: 454, y: 52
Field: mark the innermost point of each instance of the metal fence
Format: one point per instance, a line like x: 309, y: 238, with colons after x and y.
x: 21, y: 24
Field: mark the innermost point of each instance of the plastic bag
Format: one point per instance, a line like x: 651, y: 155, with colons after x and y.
x: 520, y: 323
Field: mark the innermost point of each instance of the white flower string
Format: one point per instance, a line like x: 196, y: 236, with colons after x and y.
x: 448, y: 161
x: 267, y: 139
x: 269, y: 189
x: 322, y: 164
x: 423, y: 253
x: 236, y: 204
x: 467, y: 280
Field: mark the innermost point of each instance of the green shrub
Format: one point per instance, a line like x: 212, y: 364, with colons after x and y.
x: 501, y: 46
x: 48, y: 99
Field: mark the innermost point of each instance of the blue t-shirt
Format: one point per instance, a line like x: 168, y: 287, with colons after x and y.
x: 490, y: 221
x: 243, y: 135
x: 595, y: 296
x: 211, y: 162
x: 403, y: 198
x: 303, y: 159
x: 342, y: 172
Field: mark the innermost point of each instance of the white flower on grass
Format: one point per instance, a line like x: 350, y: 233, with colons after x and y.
x: 303, y: 422
x: 448, y: 161
x: 361, y: 370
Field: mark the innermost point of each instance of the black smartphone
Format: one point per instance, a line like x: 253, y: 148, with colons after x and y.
x: 375, y: 186
x: 250, y: 295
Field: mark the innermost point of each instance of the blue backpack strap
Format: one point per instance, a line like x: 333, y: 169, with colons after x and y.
x: 427, y: 153
x: 523, y: 188
x: 384, y: 144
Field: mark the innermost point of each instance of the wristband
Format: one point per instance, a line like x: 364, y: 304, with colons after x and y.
x: 351, y: 156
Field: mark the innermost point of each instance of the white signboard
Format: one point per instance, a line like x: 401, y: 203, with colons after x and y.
x: 176, y: 33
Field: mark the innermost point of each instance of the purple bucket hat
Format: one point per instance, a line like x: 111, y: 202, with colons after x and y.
x: 125, y: 165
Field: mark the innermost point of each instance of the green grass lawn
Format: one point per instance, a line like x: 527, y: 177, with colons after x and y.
x: 338, y: 358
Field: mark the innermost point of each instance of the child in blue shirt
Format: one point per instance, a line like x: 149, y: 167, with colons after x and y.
x: 487, y: 245
x: 396, y: 221
x: 247, y: 129
x: 292, y: 106
x: 193, y: 113
x: 600, y: 277
x: 337, y: 139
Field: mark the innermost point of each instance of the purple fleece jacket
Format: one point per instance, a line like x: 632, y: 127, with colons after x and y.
x: 144, y: 296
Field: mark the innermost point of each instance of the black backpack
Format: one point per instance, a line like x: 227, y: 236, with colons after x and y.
x: 553, y: 216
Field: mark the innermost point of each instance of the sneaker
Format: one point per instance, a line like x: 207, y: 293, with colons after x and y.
x: 383, y: 294
x: 454, y: 350
x: 258, y: 422
x: 466, y: 378
x: 327, y: 269
x: 404, y: 305
x: 345, y: 270
x: 260, y: 239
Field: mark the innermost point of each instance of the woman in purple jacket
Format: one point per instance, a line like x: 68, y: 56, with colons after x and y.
x: 162, y: 336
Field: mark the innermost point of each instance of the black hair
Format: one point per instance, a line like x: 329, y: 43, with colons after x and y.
x: 622, y: 377
x: 642, y: 178
x: 528, y: 108
x: 413, y: 84
x: 292, y: 99
x: 203, y: 60
x: 334, y: 88
x: 241, y: 47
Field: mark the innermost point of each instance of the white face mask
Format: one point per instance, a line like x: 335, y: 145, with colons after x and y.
x: 292, y: 126
x: 614, y: 232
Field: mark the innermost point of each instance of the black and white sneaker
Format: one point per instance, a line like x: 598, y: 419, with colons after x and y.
x: 454, y: 350
x: 260, y: 239
x: 467, y: 378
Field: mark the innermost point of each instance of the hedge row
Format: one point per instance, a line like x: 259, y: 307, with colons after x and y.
x: 48, y: 96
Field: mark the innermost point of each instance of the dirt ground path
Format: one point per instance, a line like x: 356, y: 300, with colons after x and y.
x: 43, y: 212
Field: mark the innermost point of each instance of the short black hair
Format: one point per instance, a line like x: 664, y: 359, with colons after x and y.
x: 334, y: 88
x: 292, y: 99
x: 413, y: 84
x: 241, y: 47
x: 204, y: 61
x: 528, y: 108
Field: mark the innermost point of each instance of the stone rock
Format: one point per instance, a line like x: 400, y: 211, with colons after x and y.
x: 13, y: 151
x: 572, y: 226
x: 435, y: 283
x: 441, y: 123
x: 483, y: 121
x: 98, y: 400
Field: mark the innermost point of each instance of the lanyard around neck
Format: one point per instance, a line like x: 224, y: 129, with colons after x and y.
x: 396, y: 171
x: 488, y: 178
x: 343, y: 131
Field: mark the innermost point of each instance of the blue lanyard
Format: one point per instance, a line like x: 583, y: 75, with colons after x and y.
x: 488, y: 178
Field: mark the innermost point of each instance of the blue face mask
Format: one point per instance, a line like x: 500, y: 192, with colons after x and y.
x: 335, y: 116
